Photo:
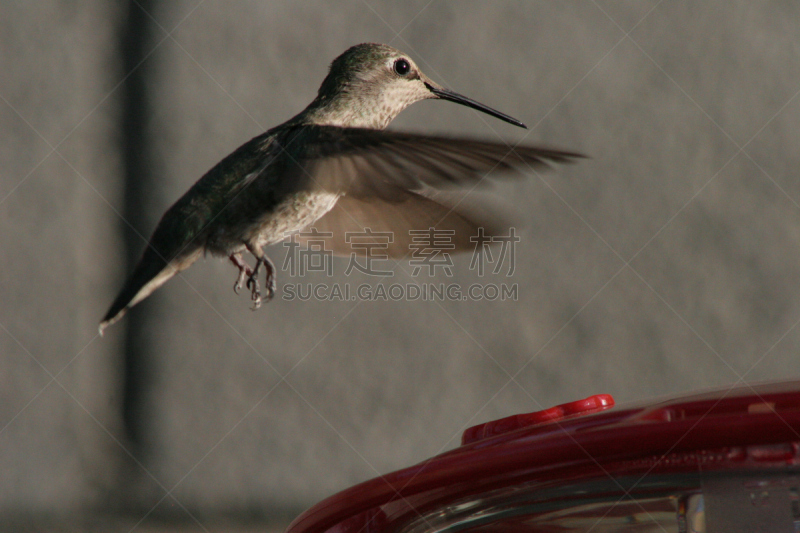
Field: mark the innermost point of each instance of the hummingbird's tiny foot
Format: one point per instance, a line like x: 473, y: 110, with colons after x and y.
x: 244, y: 271
x: 255, y: 291
x: 238, y: 285
x: 252, y: 277
x: 254, y: 287
x: 271, y: 281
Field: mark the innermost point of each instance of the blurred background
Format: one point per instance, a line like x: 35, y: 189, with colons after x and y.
x: 667, y: 262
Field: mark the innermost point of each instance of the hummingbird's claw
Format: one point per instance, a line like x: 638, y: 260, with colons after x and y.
x: 271, y: 287
x: 238, y: 285
x: 255, y: 290
x: 252, y: 281
x: 271, y: 283
x: 244, y: 271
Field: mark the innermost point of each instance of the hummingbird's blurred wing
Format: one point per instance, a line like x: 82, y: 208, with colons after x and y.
x: 393, y: 229
x: 385, y: 180
x: 365, y: 163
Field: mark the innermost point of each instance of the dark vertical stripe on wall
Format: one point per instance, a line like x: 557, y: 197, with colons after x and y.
x: 136, y: 42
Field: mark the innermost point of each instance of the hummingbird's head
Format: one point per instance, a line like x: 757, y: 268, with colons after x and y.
x: 369, y: 84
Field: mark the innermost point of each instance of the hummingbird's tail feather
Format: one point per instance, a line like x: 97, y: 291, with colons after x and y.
x: 150, y: 274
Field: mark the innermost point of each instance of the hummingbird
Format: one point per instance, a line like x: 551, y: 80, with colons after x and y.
x: 331, y: 167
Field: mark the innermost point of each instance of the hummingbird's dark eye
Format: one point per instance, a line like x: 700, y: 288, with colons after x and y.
x: 402, y: 67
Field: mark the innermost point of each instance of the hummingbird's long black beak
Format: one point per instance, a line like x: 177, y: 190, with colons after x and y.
x: 446, y: 94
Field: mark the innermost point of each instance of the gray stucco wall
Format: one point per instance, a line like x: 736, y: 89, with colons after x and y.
x: 667, y: 262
